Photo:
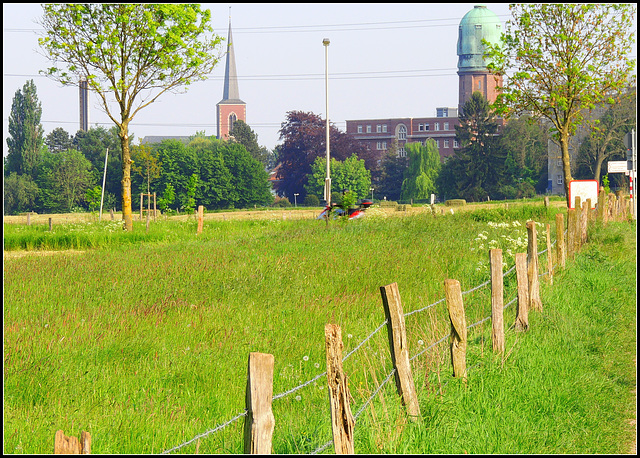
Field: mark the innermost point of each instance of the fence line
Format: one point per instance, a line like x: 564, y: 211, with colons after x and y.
x: 309, y: 382
x: 393, y: 371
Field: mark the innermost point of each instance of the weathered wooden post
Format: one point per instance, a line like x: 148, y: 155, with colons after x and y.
x: 70, y: 445
x: 549, y: 255
x: 458, y: 339
x: 259, y: 422
x: 141, y: 203
x: 399, y: 349
x: 497, y: 300
x: 29, y: 219
x: 560, y: 245
x: 571, y: 232
x: 522, y: 311
x: 342, y: 422
x: 602, y: 206
x: 50, y: 224
x: 200, y: 218
x: 578, y: 222
x: 584, y: 216
x: 155, y: 208
x: 546, y: 202
x: 112, y: 217
x: 532, y: 267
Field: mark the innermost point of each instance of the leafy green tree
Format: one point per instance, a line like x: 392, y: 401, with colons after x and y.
x: 58, y: 140
x: 388, y: 178
x: 244, y: 135
x: 63, y: 180
x: 249, y: 179
x: 422, y: 170
x: 94, y: 144
x: 524, y: 140
x: 145, y: 163
x: 20, y: 193
x: 605, y: 139
x: 25, y: 139
x: 189, y: 203
x: 129, y: 54
x: 93, y: 197
x: 177, y: 162
x: 563, y: 60
x: 350, y: 174
x: 167, y: 198
x: 216, y: 182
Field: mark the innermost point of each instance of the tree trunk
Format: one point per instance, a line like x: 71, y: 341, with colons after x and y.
x: 566, y: 162
x: 127, y: 215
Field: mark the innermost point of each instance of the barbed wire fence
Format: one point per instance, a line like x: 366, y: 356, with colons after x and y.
x: 354, y: 350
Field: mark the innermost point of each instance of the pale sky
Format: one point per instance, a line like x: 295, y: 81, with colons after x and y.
x: 386, y: 60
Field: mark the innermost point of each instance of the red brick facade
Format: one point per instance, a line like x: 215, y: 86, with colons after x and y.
x: 225, y: 111
x: 482, y: 82
x: 379, y: 134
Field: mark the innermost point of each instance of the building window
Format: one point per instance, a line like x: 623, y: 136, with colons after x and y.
x: 378, y: 128
x: 420, y: 127
x: 368, y: 129
x: 446, y: 143
x: 384, y: 128
x: 384, y: 145
x: 558, y: 179
x: 232, y: 119
x: 437, y: 126
x: 559, y: 163
x: 402, y: 132
x: 402, y: 152
x: 446, y: 126
x: 359, y: 129
x: 438, y: 143
x: 455, y: 144
x: 379, y: 145
x: 426, y: 126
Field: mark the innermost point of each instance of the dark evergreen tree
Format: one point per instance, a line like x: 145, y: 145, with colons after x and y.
x: 58, y: 140
x: 25, y: 139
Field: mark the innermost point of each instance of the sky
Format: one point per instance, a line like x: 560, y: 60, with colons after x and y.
x: 385, y: 60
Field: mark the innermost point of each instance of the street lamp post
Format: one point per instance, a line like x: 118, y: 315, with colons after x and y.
x: 327, y: 181
x: 371, y: 189
x: 295, y: 199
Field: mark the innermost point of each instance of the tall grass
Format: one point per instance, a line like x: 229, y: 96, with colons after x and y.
x: 145, y: 344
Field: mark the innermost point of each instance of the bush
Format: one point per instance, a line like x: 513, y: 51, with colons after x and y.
x: 281, y: 202
x: 388, y: 203
x: 311, y: 200
x: 455, y: 203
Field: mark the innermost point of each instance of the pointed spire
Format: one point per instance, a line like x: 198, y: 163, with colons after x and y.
x: 230, y: 76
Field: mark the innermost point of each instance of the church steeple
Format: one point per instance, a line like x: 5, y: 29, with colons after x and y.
x: 230, y: 108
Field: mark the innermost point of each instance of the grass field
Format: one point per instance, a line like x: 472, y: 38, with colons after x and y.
x: 142, y: 339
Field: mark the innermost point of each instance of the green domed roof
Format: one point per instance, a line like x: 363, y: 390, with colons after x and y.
x: 479, y: 23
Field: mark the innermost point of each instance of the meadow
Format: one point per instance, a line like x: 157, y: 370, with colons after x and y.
x: 142, y: 338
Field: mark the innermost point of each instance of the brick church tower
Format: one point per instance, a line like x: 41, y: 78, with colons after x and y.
x: 230, y: 109
x: 478, y: 24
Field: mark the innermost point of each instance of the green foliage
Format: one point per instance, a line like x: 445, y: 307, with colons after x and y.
x: 243, y: 134
x: 63, y: 179
x: 311, y: 200
x: 563, y: 60
x: 20, y: 193
x: 25, y: 141
x: 93, y: 198
x: 423, y: 167
x: 167, y: 198
x: 189, y: 203
x: 392, y: 174
x: 349, y: 174
x: 58, y: 140
x: 605, y: 184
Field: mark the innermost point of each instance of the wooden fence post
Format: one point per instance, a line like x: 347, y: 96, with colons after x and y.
x: 141, y: 203
x: 29, y: 219
x: 458, y: 340
x: 584, y: 217
x: 602, y: 206
x: 399, y: 349
x: 522, y: 312
x: 70, y: 445
x: 342, y: 422
x: 532, y: 268
x: 200, y: 218
x: 549, y: 255
x: 497, y: 300
x: 571, y: 232
x: 560, y: 245
x: 578, y: 222
x: 50, y: 224
x: 259, y: 422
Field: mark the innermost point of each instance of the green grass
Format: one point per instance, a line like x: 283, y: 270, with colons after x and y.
x: 144, y: 341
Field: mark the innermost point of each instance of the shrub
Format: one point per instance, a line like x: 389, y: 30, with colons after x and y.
x: 281, y: 202
x: 311, y: 200
x: 455, y: 202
